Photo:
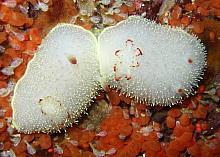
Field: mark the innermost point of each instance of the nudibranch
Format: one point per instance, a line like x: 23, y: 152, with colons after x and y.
x: 152, y: 63
x: 59, y: 82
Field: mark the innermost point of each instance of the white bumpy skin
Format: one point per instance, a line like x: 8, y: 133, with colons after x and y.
x: 155, y: 64
x: 59, y: 82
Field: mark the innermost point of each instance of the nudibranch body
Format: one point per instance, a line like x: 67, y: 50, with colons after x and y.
x: 155, y: 64
x: 59, y: 83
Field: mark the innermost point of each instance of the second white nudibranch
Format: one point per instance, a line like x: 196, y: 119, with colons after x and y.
x: 155, y: 64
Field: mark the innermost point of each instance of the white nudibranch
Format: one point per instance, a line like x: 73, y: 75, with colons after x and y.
x: 154, y: 64
x: 59, y: 82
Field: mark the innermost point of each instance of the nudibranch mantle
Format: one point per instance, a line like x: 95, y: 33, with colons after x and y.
x: 59, y: 82
x: 155, y: 64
